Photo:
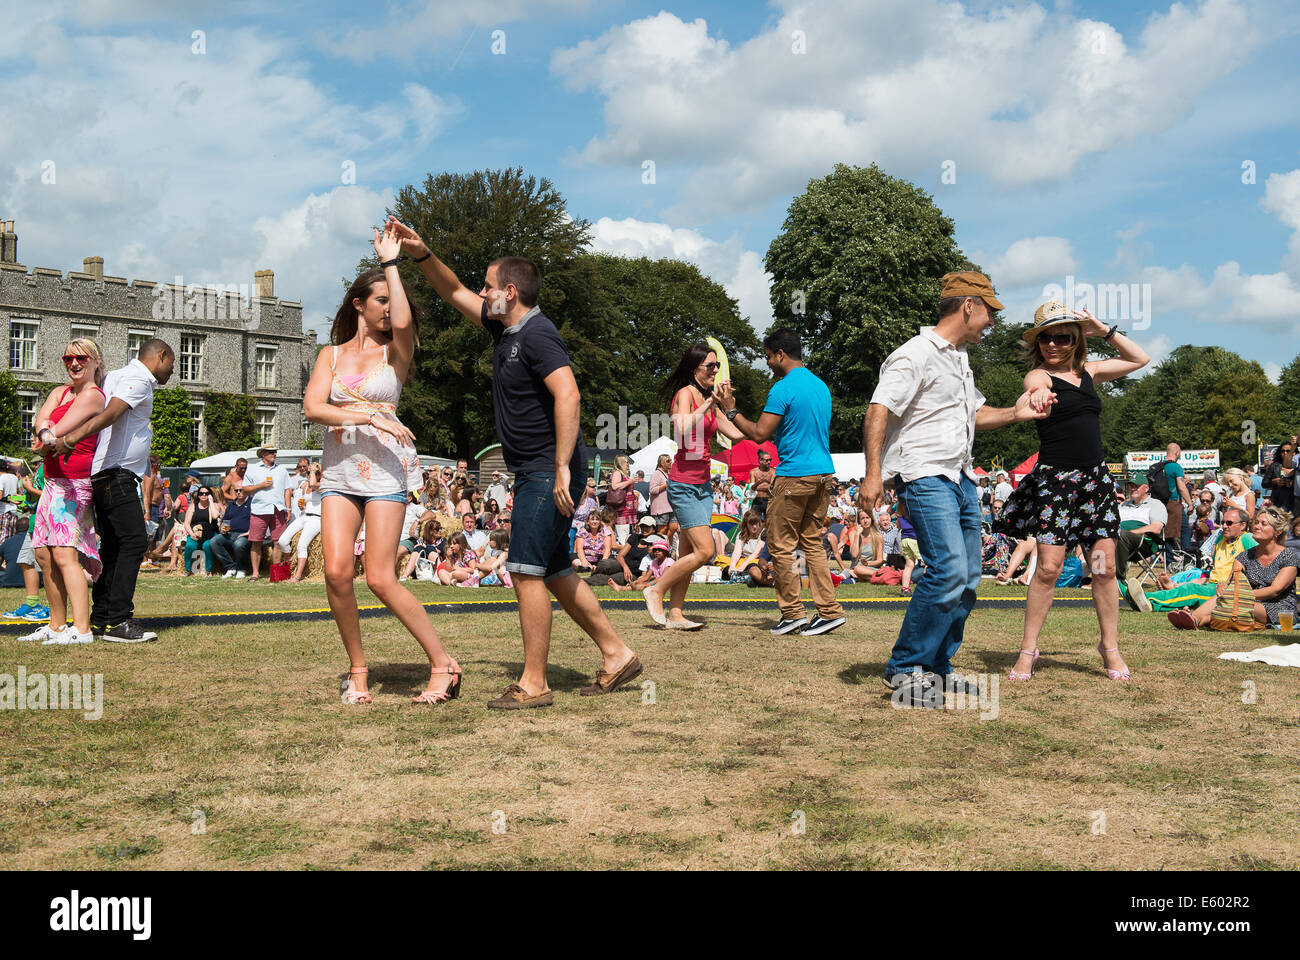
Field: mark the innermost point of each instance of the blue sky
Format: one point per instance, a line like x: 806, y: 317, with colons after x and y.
x: 1102, y: 141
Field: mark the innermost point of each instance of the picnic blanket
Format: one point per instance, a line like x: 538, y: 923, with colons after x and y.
x: 1287, y: 655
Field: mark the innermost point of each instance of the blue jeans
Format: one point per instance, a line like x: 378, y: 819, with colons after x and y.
x: 228, y: 549
x: 946, y: 517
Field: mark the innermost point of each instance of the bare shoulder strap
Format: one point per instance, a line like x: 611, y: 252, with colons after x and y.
x: 335, y: 362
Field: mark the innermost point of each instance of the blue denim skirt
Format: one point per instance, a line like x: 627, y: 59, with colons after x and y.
x: 692, y: 502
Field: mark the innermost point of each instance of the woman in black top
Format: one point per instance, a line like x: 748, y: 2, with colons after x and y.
x: 1069, y: 499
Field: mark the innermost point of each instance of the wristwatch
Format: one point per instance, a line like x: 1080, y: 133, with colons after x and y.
x: 732, y: 414
x: 1111, y: 332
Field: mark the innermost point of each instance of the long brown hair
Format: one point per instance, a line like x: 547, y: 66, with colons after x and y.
x: 347, y: 317
x: 685, y: 372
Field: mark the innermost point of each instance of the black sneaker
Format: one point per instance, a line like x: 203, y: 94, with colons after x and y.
x: 128, y: 631
x: 819, y: 625
x: 788, y: 626
x: 918, y: 690
x: 97, y: 630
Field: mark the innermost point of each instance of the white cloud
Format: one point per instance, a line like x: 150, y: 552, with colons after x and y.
x: 1273, y: 371
x: 1034, y: 261
x: 1012, y: 93
x: 208, y: 166
x: 424, y: 30
x: 740, y: 271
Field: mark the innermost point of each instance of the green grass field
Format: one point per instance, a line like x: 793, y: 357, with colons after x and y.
x: 225, y: 746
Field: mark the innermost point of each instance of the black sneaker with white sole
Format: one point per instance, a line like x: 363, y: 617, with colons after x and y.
x: 788, y: 626
x: 819, y: 625
x: 128, y: 631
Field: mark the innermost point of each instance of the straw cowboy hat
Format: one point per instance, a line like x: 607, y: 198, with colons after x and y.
x: 1051, y: 314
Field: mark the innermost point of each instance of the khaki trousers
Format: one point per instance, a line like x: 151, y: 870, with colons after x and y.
x: 795, y: 514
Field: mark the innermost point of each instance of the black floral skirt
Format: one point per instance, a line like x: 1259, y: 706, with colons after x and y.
x: 1062, y: 506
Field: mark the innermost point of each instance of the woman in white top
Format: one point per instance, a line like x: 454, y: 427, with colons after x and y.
x: 370, y: 463
x: 307, y: 498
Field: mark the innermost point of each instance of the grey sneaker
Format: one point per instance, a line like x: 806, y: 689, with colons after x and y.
x: 921, y: 690
x: 955, y: 683
x: 788, y: 626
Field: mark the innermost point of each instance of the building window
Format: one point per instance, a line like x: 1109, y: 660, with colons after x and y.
x: 22, y: 345
x: 196, y: 426
x: 135, y: 339
x: 28, y: 404
x: 265, y: 423
x: 84, y: 331
x: 191, y: 358
x: 266, y: 367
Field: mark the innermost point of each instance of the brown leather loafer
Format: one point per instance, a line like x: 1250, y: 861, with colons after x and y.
x: 516, y: 697
x: 609, y: 682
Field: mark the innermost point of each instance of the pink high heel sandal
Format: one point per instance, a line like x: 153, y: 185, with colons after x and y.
x: 349, y: 693
x: 442, y: 696
x: 1113, y: 674
x: 1024, y: 676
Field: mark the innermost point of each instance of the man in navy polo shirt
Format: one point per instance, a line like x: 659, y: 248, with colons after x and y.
x: 536, y: 402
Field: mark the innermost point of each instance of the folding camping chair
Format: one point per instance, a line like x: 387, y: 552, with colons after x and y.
x: 1150, y: 557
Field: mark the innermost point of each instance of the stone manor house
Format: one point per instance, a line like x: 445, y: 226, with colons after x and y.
x: 234, y: 339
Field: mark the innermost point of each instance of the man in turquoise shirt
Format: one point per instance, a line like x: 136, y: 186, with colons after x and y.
x: 798, y: 415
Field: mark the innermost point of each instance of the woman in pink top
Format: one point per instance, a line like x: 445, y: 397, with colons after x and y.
x: 695, y: 422
x: 63, y: 527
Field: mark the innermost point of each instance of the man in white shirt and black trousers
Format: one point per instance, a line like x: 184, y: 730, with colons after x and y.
x: 121, y: 461
x: 919, y: 429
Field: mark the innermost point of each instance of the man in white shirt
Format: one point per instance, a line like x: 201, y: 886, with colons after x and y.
x: 1151, y: 516
x: 477, y: 538
x: 496, y: 490
x: 1003, y: 490
x: 121, y: 460
x: 919, y: 429
x: 272, y: 489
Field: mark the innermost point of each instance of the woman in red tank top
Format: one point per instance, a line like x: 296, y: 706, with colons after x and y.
x: 689, y: 392
x: 63, y: 527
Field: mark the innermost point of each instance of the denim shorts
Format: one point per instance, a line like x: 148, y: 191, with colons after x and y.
x: 692, y: 502
x: 361, y: 500
x: 539, y: 533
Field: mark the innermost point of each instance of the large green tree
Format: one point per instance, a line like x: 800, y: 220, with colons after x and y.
x: 856, y: 271
x: 667, y: 305
x: 469, y: 220
x: 1199, y: 397
x: 1288, y: 396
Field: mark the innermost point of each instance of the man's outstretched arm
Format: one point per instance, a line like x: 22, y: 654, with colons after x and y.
x: 439, y: 275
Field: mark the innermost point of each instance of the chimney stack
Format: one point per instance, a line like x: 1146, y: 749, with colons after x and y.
x: 8, y: 242
x: 94, y: 266
x: 264, y: 283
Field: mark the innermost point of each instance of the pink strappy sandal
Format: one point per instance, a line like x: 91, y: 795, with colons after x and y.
x: 1024, y: 676
x: 442, y: 696
x: 348, y: 693
x: 1113, y: 674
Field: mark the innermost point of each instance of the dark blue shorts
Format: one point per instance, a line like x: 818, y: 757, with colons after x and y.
x: 539, y: 533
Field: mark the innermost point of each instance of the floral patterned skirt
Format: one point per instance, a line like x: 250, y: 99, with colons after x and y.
x: 65, y: 517
x: 1062, y: 506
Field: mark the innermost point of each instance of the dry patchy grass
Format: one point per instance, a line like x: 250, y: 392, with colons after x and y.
x: 240, y: 728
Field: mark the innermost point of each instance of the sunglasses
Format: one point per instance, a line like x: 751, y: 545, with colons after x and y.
x: 70, y: 359
x: 1056, y: 339
x: 711, y: 366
